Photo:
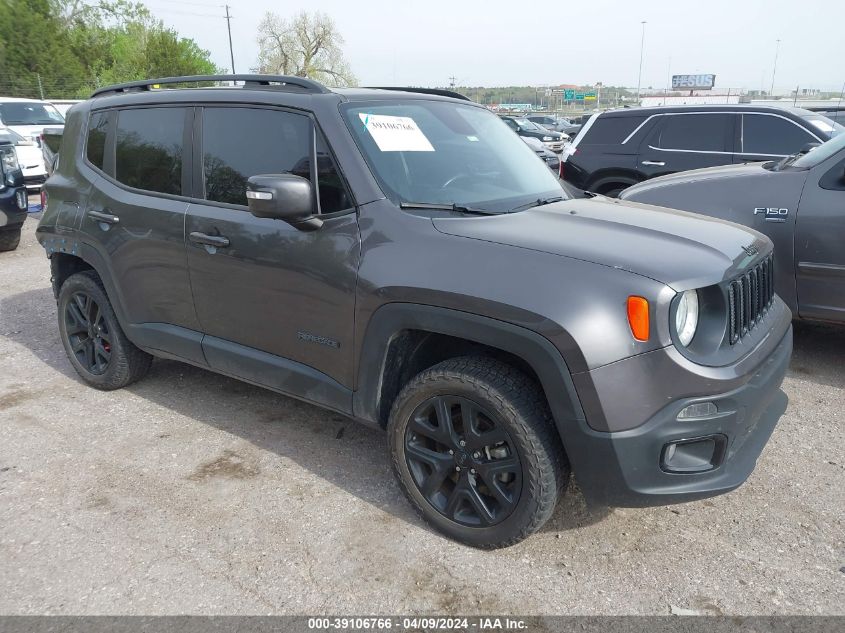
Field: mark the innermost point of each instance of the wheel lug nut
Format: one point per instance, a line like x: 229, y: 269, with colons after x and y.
x: 463, y: 443
x: 451, y: 452
x: 472, y: 471
x: 476, y: 455
x: 457, y: 468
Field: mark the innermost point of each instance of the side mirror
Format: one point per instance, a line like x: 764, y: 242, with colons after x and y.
x: 808, y: 148
x: 283, y: 197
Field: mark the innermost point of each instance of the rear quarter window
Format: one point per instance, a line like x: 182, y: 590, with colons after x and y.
x: 611, y: 130
x: 95, y: 146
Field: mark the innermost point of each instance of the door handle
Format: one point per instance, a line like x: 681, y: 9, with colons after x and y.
x: 103, y: 216
x: 656, y: 163
x: 218, y: 241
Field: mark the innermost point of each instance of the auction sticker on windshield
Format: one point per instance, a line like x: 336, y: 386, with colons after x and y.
x: 395, y: 133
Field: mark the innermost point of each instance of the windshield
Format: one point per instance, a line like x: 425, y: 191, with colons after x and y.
x: 29, y: 113
x: 819, y: 154
x: 438, y: 152
x: 525, y: 124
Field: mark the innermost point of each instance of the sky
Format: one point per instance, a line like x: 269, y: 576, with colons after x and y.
x: 549, y: 42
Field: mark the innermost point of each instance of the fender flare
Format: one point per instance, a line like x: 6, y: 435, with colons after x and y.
x: 537, y: 351
x: 75, y: 247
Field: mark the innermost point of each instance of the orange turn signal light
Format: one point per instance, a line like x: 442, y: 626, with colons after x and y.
x: 638, y: 317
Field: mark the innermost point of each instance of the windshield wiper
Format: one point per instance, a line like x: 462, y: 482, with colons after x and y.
x: 459, y: 208
x: 539, y: 202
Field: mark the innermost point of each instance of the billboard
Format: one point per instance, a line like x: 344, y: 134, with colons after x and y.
x: 693, y: 82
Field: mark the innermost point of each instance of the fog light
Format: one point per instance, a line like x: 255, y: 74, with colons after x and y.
x: 698, y: 410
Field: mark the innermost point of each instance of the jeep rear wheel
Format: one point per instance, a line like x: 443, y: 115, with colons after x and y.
x: 93, y: 340
x: 474, y: 448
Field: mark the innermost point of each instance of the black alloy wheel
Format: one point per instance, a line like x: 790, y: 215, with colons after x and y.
x: 88, y: 333
x: 462, y: 461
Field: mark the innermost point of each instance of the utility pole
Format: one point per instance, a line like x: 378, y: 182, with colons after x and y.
x: 40, y: 86
x: 640, y: 75
x: 229, y: 26
x: 452, y: 82
x: 775, y: 67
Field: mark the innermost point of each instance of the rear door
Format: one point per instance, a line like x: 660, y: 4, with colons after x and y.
x: 276, y: 303
x: 767, y: 136
x: 688, y: 140
x: 820, y: 243
x: 136, y: 216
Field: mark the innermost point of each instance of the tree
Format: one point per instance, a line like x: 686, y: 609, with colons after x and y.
x: 309, y: 45
x: 35, y: 51
x: 66, y: 48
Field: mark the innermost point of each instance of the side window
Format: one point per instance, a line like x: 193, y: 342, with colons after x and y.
x: 697, y: 132
x: 511, y: 124
x: 333, y: 193
x: 149, y: 149
x: 95, y: 146
x: 241, y: 142
x: 766, y: 134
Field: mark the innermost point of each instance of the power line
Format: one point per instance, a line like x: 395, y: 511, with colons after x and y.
x: 229, y: 27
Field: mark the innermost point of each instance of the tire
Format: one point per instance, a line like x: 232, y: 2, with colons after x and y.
x: 614, y: 190
x: 10, y: 238
x: 92, y: 337
x: 503, y: 483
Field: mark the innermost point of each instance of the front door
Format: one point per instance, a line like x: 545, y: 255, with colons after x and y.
x: 820, y: 243
x: 687, y: 141
x: 766, y: 136
x: 276, y: 303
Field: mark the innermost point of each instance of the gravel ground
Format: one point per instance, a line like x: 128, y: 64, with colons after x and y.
x: 190, y: 492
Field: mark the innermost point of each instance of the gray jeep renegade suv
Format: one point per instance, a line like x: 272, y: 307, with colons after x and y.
x: 403, y: 258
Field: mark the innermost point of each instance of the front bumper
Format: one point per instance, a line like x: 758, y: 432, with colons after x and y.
x: 635, y: 467
x: 555, y: 146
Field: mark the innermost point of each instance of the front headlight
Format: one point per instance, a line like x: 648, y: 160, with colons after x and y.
x: 686, y: 317
x: 548, y: 138
x: 8, y: 159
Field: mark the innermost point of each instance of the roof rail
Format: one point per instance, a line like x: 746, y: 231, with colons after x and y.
x: 425, y: 91
x: 250, y: 81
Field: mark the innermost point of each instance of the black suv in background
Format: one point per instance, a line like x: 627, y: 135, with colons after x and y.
x: 406, y: 260
x: 619, y: 148
x: 13, y: 200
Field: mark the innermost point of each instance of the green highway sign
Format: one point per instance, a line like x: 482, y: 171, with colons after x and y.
x: 569, y: 95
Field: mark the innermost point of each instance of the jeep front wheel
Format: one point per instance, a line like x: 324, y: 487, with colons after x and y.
x: 475, y: 450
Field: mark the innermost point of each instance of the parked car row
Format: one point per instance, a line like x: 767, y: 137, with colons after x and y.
x: 556, y: 123
x: 528, y: 129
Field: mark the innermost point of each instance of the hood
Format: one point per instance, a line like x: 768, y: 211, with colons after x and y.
x: 679, y: 249
x: 539, y: 135
x: 29, y: 157
x: 697, y: 175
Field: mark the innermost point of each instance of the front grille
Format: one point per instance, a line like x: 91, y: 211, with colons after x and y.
x: 749, y: 298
